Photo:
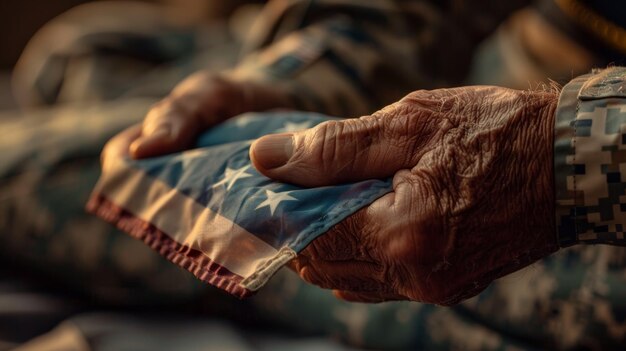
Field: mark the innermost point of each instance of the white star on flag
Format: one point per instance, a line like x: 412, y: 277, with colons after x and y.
x: 274, y: 199
x: 294, y: 127
x: 232, y: 175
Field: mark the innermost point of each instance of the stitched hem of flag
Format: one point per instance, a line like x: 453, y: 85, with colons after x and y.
x: 263, y: 274
x: 186, y: 257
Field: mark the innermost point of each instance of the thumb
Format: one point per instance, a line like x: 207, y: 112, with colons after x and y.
x: 334, y: 152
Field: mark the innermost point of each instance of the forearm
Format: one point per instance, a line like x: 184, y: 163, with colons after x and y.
x: 350, y: 58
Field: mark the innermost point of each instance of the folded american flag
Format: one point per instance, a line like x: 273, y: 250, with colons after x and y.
x: 209, y: 211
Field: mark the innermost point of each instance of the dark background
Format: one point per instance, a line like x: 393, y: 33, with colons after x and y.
x: 20, y: 19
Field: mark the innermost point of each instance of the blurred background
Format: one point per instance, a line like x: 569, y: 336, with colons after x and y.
x: 20, y: 20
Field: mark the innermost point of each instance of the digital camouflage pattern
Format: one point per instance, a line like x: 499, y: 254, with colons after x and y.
x: 573, y: 299
x: 590, y: 158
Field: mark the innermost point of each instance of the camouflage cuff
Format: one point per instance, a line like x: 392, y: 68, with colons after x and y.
x: 589, y: 158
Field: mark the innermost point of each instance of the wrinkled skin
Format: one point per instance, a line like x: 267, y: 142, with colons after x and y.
x: 472, y: 193
x: 197, y: 103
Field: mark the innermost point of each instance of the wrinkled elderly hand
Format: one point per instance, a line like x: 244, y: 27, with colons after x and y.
x: 472, y: 193
x: 199, y: 102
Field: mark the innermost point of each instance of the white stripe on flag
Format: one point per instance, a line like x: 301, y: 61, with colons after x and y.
x: 184, y: 220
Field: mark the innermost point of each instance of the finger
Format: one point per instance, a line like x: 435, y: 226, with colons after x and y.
x: 358, y: 237
x: 168, y: 128
x: 343, y: 275
x: 349, y: 255
x: 335, y: 152
x: 117, y: 147
x: 365, y: 297
x: 347, y: 240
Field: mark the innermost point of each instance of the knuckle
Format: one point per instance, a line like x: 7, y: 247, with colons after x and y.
x: 325, y: 138
x: 161, y: 110
x: 426, y: 98
x: 409, y: 126
x: 318, y: 151
x: 338, y: 145
x: 156, y: 110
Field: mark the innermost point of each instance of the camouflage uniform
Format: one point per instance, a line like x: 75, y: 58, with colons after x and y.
x: 573, y: 299
x: 589, y: 153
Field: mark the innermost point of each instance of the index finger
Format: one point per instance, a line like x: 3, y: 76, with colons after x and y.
x: 118, y: 147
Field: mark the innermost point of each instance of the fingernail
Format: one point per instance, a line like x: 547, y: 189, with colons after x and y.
x: 273, y: 151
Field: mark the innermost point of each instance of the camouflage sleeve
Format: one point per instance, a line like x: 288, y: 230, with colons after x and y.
x: 589, y: 158
x: 351, y: 57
